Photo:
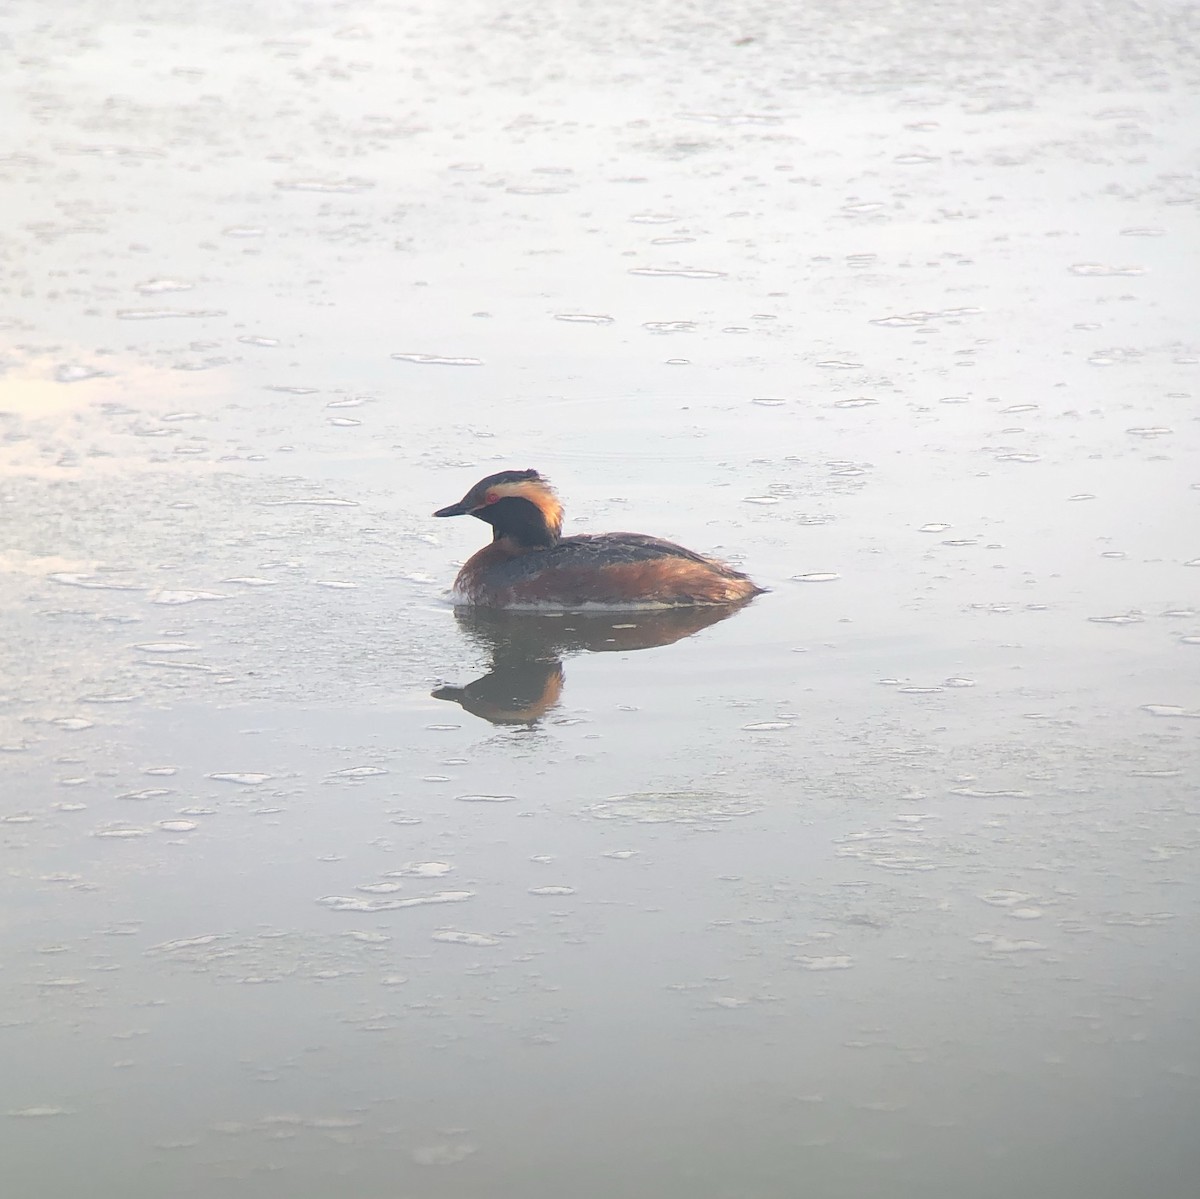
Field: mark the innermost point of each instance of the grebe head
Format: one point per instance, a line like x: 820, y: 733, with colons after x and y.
x: 518, y: 504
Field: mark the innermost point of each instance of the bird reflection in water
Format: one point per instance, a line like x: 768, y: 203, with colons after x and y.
x: 527, y: 648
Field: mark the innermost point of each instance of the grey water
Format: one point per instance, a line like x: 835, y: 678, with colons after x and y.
x: 884, y: 885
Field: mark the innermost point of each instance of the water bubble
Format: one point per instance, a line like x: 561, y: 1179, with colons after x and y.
x: 552, y: 890
x: 816, y: 577
x: 73, y: 724
x: 358, y: 772
x: 832, y: 962
x: 177, y: 826
x: 1126, y: 618
x: 767, y: 726
x: 250, y: 779
x: 585, y: 318
x: 934, y: 527
x: 1169, y: 710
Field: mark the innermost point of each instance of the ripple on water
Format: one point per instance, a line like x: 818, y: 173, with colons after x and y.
x: 421, y: 870
x: 672, y: 807
x: 92, y: 582
x: 1101, y: 269
x: 161, y: 314
x: 656, y: 272
x: 355, y: 903
x: 669, y: 326
x: 73, y: 724
x: 350, y: 186
x: 185, y: 597
x: 445, y: 1153
x: 454, y: 936
x: 437, y: 360
x: 1000, y: 944
x: 75, y: 373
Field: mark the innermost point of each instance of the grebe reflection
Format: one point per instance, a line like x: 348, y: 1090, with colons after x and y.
x: 527, y: 648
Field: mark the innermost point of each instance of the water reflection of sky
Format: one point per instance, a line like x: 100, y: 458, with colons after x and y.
x: 883, y: 879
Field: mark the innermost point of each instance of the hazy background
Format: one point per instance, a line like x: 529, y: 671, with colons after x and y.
x: 885, y: 886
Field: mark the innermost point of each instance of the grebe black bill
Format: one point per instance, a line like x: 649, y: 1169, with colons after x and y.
x: 529, y: 564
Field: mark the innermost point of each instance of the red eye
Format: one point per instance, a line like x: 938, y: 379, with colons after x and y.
x: 490, y: 498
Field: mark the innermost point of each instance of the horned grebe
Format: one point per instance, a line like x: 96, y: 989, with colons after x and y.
x: 530, y: 565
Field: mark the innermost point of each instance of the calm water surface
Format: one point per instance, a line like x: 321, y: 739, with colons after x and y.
x: 886, y: 885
